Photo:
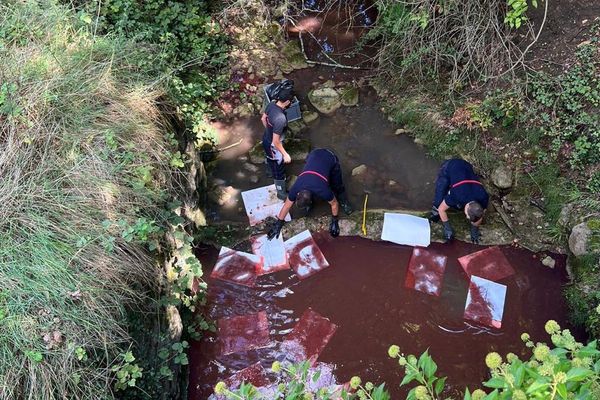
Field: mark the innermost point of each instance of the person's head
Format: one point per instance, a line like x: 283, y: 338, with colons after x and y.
x: 284, y: 97
x: 304, y: 199
x: 473, y: 211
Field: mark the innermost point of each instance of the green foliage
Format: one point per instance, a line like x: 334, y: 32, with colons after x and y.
x: 293, y: 383
x: 515, y: 16
x: 567, y: 108
x: 422, y: 371
x: 126, y: 373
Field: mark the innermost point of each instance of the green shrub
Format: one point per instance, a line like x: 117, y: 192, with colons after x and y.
x: 83, y: 148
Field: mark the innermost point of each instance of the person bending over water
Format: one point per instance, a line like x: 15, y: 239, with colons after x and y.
x: 457, y: 186
x: 321, y: 177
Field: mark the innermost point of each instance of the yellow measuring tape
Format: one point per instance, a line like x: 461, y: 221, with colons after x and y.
x: 364, y: 224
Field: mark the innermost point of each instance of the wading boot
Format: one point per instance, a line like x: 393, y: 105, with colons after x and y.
x: 345, y: 204
x: 281, y: 191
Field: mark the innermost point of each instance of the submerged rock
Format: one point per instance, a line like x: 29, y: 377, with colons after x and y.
x: 298, y: 149
x: 549, y: 262
x: 309, y: 116
x: 349, y: 96
x: 325, y: 100
x: 297, y: 127
x: 502, y: 177
x: 361, y: 169
x: 294, y: 58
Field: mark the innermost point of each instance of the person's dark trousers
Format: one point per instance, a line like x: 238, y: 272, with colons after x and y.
x: 442, y: 184
x: 277, y: 169
x: 335, y: 180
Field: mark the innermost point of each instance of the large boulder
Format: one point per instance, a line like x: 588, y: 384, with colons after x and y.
x: 579, y: 238
x: 502, y: 177
x: 325, y: 100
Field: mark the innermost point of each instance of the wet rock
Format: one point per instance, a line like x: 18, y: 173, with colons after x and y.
x: 502, y: 177
x: 325, y: 100
x: 578, y: 239
x: 253, y: 178
x: 257, y: 154
x: 349, y: 96
x: 401, y: 131
x: 297, y: 127
x: 419, y: 141
x: 294, y: 58
x: 549, y: 262
x: 298, y: 149
x: 250, y: 167
x: 222, y: 195
x: 361, y: 169
x: 309, y: 116
x: 328, y: 84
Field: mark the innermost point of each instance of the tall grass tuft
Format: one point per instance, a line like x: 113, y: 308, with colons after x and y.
x: 82, y: 148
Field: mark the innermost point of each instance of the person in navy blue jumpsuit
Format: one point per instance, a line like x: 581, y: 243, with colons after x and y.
x: 458, y: 186
x: 321, y: 178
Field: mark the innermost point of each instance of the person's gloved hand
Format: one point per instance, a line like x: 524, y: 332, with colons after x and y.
x: 434, y: 215
x: 275, y: 230
x: 475, y: 234
x: 448, y: 231
x: 334, y: 227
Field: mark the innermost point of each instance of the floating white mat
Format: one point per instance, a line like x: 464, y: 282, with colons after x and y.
x: 304, y: 255
x: 485, y: 302
x: 406, y: 229
x: 261, y: 203
x: 273, y: 253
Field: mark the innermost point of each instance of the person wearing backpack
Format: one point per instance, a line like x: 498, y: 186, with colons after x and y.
x: 275, y: 123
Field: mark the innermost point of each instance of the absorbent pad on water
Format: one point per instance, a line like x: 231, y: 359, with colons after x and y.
x: 272, y: 252
x: 304, y: 255
x: 309, y: 337
x: 425, y: 271
x: 490, y: 263
x: 406, y: 229
x: 237, y: 267
x: 243, y: 332
x: 261, y: 203
x: 485, y: 302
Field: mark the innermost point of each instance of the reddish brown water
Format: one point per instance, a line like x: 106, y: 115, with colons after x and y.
x: 363, y: 293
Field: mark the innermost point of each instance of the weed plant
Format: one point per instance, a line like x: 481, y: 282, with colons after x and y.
x: 84, y: 164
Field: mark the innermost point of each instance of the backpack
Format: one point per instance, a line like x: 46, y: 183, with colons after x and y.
x: 274, y: 89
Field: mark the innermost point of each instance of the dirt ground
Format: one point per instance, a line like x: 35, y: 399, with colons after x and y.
x: 568, y: 24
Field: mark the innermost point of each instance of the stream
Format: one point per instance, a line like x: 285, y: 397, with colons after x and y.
x: 363, y: 293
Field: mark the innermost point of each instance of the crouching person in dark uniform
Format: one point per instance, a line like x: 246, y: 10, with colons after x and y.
x: 275, y: 123
x: 322, y: 178
x: 457, y: 186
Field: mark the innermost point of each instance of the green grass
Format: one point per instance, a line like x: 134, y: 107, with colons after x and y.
x: 83, y: 148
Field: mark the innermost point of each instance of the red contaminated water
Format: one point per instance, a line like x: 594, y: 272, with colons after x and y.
x: 243, y: 332
x: 364, y: 295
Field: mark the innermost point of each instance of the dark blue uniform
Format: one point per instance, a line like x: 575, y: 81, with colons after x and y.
x: 322, y: 176
x: 457, y: 184
x: 276, y: 124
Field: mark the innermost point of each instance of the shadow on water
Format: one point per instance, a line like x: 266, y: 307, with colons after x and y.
x: 363, y: 293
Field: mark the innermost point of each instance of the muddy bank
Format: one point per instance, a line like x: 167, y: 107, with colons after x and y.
x: 363, y: 293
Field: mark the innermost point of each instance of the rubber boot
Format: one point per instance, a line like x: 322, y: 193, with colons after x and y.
x: 344, y: 203
x: 281, y: 190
